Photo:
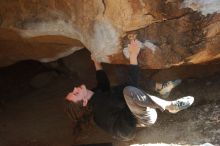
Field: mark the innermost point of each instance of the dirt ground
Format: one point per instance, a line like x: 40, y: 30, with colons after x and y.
x: 32, y: 111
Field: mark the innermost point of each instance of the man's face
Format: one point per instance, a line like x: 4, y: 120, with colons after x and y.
x: 78, y: 94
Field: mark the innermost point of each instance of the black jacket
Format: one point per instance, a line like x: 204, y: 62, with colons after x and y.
x: 110, y: 110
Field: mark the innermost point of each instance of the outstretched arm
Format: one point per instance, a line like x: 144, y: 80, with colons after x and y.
x: 134, y: 50
x: 101, y: 77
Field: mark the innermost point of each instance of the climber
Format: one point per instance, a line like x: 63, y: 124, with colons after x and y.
x: 119, y: 110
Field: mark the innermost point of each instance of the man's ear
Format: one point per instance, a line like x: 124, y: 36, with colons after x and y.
x: 83, y: 86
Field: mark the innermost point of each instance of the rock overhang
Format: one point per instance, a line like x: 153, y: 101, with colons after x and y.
x: 173, y: 32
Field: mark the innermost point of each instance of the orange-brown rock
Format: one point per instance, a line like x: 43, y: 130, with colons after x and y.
x: 173, y: 32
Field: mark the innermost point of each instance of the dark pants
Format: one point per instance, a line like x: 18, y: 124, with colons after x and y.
x: 141, y: 105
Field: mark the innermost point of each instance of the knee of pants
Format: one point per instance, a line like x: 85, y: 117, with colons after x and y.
x: 128, y: 90
x: 129, y: 95
x: 136, y: 95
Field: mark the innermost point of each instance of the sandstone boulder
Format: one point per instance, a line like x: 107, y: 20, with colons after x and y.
x: 183, y: 31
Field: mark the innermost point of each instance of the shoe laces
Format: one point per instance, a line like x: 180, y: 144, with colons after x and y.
x: 166, y: 84
x: 180, y: 104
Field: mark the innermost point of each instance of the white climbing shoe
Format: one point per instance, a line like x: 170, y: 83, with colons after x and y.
x: 180, y: 104
x: 165, y: 88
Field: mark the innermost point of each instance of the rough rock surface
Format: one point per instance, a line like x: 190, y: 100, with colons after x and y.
x: 183, y: 31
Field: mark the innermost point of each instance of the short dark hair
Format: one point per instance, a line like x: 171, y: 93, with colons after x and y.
x: 80, y: 116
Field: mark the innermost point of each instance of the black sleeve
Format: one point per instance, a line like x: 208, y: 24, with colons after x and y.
x: 133, y: 72
x: 102, y: 81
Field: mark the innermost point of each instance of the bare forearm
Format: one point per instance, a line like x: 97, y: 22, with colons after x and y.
x: 133, y: 60
x: 134, y: 50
